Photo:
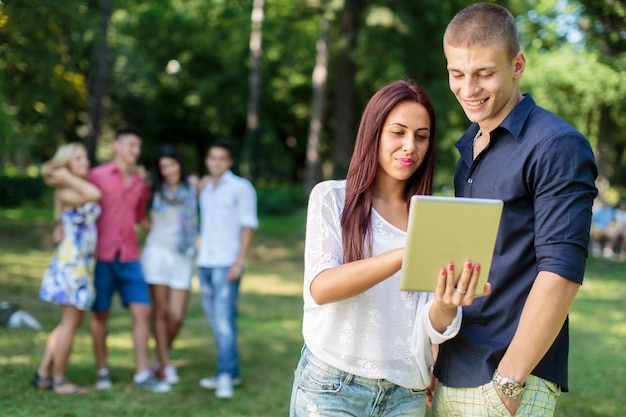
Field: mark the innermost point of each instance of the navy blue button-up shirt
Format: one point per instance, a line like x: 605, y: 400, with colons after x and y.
x: 544, y: 171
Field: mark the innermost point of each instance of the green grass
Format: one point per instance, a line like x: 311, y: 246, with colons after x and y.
x: 270, y: 338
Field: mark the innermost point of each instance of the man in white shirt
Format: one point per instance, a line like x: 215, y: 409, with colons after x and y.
x: 228, y: 218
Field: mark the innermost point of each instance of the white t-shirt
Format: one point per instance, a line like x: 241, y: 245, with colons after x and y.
x: 382, y: 333
x: 161, y: 262
x: 164, y: 228
x: 224, y: 210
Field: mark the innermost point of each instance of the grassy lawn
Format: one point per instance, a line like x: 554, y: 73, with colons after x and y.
x: 270, y: 339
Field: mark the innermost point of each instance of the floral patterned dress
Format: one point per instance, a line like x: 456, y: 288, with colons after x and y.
x: 68, y: 279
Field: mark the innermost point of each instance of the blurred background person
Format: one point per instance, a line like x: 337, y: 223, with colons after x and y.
x: 68, y: 280
x: 168, y: 254
x: 619, y: 234
x: 228, y: 218
x: 601, y: 218
x: 118, y: 268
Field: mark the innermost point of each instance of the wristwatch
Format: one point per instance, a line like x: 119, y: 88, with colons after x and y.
x: 510, y: 388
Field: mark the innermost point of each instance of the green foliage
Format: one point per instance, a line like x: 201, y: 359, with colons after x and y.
x: 572, y: 94
x: 44, y: 52
x: 179, y: 72
x: 280, y: 199
x: 18, y: 190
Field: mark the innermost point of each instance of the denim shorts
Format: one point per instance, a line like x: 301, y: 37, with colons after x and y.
x: 322, y: 390
x: 125, y: 277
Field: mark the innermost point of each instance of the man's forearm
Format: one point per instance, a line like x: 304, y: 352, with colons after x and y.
x: 246, y: 240
x: 542, y: 318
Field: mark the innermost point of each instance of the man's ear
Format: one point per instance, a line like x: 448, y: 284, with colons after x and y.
x: 519, y: 65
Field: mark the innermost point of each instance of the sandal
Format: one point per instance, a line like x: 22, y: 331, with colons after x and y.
x: 64, y: 386
x: 41, y: 382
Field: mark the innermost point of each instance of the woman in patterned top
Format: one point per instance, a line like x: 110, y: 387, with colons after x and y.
x: 367, y: 343
x: 68, y: 279
x: 168, y: 254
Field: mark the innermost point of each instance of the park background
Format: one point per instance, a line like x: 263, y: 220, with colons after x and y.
x: 285, y: 81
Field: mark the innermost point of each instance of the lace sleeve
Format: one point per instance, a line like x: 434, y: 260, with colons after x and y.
x: 424, y: 334
x: 323, y: 248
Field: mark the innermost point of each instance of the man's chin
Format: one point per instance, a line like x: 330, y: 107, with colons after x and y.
x: 473, y: 115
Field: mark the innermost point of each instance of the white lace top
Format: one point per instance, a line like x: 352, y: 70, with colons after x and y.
x: 383, y: 333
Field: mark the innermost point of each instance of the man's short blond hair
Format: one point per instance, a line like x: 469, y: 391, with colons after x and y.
x: 483, y: 24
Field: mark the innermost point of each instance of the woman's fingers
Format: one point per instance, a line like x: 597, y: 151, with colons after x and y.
x: 461, y: 291
x: 463, y: 283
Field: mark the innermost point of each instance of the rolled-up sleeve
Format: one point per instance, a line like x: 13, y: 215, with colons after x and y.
x: 563, y: 178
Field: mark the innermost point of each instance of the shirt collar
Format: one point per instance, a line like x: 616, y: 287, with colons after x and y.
x: 514, y: 123
x: 114, y: 169
x: 516, y: 120
x: 225, y: 178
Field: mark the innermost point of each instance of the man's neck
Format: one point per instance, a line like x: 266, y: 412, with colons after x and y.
x: 123, y: 167
x: 215, y: 179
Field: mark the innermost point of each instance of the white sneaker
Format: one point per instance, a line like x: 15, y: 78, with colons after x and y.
x: 170, y: 375
x: 224, y: 387
x: 103, y: 381
x: 152, y: 384
x: 211, y: 383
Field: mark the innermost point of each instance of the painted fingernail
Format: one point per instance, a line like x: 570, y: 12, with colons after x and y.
x: 443, y: 271
x: 451, y: 266
x: 477, y: 267
x: 468, y: 264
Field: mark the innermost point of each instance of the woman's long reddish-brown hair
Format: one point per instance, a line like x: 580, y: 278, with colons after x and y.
x: 356, y: 216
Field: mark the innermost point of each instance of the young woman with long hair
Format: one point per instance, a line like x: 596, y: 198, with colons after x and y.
x: 167, y: 257
x: 367, y: 343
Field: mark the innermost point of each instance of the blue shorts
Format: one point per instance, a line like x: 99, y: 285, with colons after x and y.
x: 125, y: 277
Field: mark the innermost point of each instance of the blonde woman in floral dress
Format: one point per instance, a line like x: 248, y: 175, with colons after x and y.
x: 68, y: 279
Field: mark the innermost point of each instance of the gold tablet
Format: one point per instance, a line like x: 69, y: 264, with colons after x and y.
x: 444, y: 229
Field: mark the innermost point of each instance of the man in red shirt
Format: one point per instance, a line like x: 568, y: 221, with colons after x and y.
x: 123, y: 202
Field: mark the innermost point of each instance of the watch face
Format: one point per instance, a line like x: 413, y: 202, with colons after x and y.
x: 511, y: 390
x: 508, y: 387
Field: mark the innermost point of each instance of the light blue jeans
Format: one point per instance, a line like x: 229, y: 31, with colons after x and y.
x: 219, y: 301
x: 322, y: 390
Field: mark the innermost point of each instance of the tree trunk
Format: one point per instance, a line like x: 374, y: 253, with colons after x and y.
x: 605, y: 148
x: 320, y: 76
x: 345, y: 94
x: 100, y: 81
x: 248, y: 167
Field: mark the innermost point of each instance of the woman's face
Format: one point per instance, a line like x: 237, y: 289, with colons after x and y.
x: 170, y: 170
x: 79, y: 164
x: 404, y: 140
